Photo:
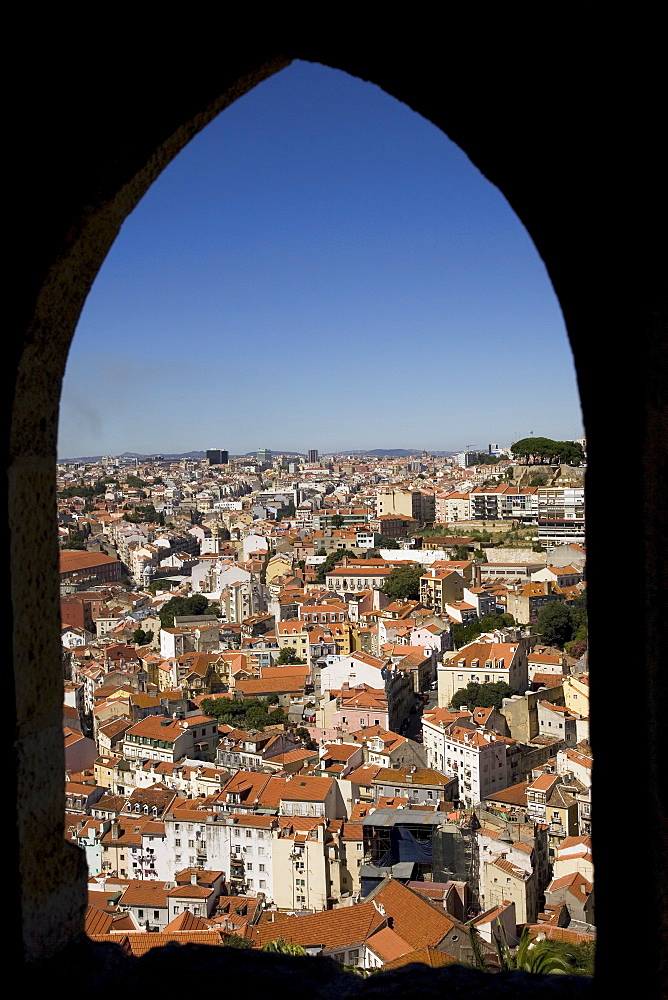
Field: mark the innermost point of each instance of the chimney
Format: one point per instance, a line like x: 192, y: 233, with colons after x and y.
x: 193, y: 878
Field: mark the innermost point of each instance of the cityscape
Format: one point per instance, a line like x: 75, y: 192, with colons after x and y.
x: 330, y: 690
x: 316, y: 353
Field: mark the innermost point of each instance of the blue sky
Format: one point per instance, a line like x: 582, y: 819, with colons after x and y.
x: 320, y: 268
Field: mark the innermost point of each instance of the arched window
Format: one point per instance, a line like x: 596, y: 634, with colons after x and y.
x: 535, y: 136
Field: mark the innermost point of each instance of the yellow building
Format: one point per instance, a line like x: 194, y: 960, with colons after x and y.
x: 292, y: 635
x: 576, y: 694
x: 505, y: 882
x: 441, y: 586
x: 300, y: 864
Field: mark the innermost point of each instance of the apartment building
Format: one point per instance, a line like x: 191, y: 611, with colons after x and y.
x: 483, y: 662
x: 348, y: 579
x: 418, y: 504
x: 199, y: 635
x: 482, y: 761
x: 525, y: 602
x: 441, y: 586
x: 158, y: 738
x: 452, y: 506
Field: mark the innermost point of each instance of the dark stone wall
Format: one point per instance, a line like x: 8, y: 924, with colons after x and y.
x: 560, y: 111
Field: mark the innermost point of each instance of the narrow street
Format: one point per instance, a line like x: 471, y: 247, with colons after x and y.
x: 414, y: 728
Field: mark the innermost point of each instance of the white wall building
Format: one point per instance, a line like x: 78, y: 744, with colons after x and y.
x: 477, y: 758
x: 357, y: 668
x: 483, y: 662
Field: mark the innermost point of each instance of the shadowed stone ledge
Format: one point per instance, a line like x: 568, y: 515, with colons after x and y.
x: 107, y: 967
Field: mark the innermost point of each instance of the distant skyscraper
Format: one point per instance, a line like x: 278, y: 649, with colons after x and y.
x: 215, y: 456
x: 313, y: 456
x: 264, y: 456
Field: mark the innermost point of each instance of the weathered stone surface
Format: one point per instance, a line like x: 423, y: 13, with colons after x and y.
x: 107, y: 968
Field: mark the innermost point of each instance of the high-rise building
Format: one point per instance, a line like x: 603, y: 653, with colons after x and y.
x: 264, y: 456
x: 313, y: 456
x: 215, y: 456
x: 465, y: 458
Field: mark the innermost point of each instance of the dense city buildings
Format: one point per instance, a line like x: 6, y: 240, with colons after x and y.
x: 299, y: 690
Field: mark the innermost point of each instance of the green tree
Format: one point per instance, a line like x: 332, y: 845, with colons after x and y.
x: 460, y: 552
x: 287, y: 511
x: 337, y: 521
x: 545, y: 450
x: 403, y: 583
x: 288, y: 655
x: 182, y: 606
x: 76, y: 541
x: 536, y: 957
x: 135, y: 482
x: 583, y: 955
x: 480, y: 536
x: 388, y: 543
x: 283, y: 947
x: 145, y: 513
x: 84, y: 492
x: 156, y: 585
x: 142, y: 638
x: 244, y: 713
x: 495, y: 620
x: 331, y: 561
x: 578, y: 612
x: 481, y: 695
x: 555, y: 624
x: 236, y: 941
x: 304, y: 736
x: 463, y: 634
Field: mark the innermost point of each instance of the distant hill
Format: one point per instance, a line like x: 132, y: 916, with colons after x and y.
x: 390, y: 452
x: 130, y: 456
x: 276, y: 452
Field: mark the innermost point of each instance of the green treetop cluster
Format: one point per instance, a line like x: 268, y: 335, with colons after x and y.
x: 564, y: 626
x: 245, y: 713
x: 545, y: 451
x: 404, y: 583
x: 185, y: 607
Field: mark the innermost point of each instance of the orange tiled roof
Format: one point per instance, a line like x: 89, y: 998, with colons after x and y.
x: 432, y: 957
x: 577, y: 885
x: 139, y: 943
x: 387, y: 944
x: 145, y: 893
x: 332, y: 928
x: 305, y: 788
